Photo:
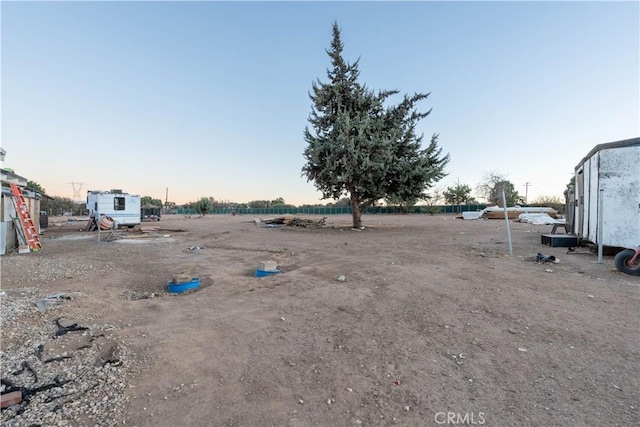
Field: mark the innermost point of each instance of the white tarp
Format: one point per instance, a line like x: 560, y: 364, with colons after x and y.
x: 472, y: 215
x: 519, y: 209
x: 538, y: 219
x: 526, y: 210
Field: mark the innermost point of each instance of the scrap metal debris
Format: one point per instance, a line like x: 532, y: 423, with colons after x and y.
x: 43, y: 304
x: 25, y: 365
x: 543, y: 259
x: 291, y: 221
x: 57, y: 359
x: 139, y: 232
x: 65, y: 329
x: 50, y: 379
x: 39, y: 351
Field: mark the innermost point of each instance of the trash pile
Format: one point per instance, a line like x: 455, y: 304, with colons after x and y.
x: 291, y: 221
x: 543, y: 259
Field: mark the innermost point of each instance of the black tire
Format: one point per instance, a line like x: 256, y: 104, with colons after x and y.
x: 622, y: 262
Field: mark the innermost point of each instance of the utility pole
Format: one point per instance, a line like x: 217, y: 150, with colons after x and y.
x: 166, y: 201
x: 77, y: 188
x: 526, y: 192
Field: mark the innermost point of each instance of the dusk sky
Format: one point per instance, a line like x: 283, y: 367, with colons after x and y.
x: 211, y: 98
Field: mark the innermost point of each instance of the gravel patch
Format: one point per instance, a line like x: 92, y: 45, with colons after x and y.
x: 69, y: 371
x: 40, y: 269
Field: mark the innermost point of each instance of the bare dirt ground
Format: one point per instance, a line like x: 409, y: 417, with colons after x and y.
x: 434, y: 325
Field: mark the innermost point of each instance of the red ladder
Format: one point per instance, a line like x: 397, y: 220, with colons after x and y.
x: 30, y: 231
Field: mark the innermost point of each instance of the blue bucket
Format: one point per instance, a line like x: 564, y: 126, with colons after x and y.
x: 176, y: 288
x: 263, y: 273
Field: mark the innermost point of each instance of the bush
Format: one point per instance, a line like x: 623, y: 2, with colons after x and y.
x: 204, y: 206
x: 432, y: 210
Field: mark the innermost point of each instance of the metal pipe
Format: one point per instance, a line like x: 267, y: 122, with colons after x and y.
x: 600, y: 224
x: 98, y: 218
x: 506, y: 218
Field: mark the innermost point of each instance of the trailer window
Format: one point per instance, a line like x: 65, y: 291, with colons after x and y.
x: 118, y: 203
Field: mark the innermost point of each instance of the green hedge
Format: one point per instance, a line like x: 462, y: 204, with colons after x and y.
x: 337, y: 210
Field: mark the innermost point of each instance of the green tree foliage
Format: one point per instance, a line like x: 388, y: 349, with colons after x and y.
x: 361, y: 148
x: 548, y: 200
x: 316, y: 205
x: 148, y: 200
x: 555, y: 202
x: 491, y: 189
x: 34, y: 186
x: 263, y: 204
x: 259, y: 204
x: 203, y: 206
x: 405, y: 205
x: 344, y: 202
x: 459, y: 194
x: 59, y: 205
x: 511, y: 195
x: 572, y: 182
x: 280, y: 203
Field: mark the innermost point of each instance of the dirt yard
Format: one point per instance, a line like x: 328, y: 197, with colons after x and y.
x: 434, y: 324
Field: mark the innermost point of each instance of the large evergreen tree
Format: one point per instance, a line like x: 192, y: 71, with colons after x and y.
x: 361, y: 148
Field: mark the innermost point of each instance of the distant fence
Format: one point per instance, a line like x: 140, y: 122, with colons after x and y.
x: 320, y: 210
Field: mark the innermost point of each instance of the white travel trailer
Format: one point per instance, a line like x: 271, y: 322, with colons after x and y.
x: 607, y: 194
x: 123, y: 208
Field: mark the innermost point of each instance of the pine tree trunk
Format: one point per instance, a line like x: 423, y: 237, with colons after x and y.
x: 355, y: 210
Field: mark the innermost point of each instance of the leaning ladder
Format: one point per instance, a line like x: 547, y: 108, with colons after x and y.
x: 28, y: 228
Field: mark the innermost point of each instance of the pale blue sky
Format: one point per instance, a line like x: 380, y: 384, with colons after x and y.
x: 211, y: 98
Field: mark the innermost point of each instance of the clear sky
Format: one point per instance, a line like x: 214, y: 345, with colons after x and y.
x: 211, y: 98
